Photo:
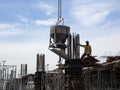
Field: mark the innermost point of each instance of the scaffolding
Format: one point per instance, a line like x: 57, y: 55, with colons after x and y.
x: 7, y: 74
x: 54, y: 81
x: 106, y: 77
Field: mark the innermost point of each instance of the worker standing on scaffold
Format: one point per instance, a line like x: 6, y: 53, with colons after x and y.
x: 87, y: 50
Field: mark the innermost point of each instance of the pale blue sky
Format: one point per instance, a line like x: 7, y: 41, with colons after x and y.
x: 25, y: 26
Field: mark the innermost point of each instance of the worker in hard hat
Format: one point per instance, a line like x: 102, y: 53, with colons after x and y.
x: 87, y: 50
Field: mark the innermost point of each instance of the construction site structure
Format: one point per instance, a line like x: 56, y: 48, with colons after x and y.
x: 105, y: 76
x: 74, y: 74
x: 7, y: 74
x: 68, y: 76
x: 39, y: 77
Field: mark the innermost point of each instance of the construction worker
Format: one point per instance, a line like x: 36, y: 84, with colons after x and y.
x: 87, y: 49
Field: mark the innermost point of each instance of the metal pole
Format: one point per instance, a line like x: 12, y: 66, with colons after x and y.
x: 3, y: 87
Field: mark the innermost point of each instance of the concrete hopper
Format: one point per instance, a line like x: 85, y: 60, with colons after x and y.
x: 59, y: 34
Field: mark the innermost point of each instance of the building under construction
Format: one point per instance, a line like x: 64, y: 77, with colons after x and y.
x: 74, y: 74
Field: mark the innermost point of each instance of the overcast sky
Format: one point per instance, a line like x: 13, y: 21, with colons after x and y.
x: 25, y: 27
